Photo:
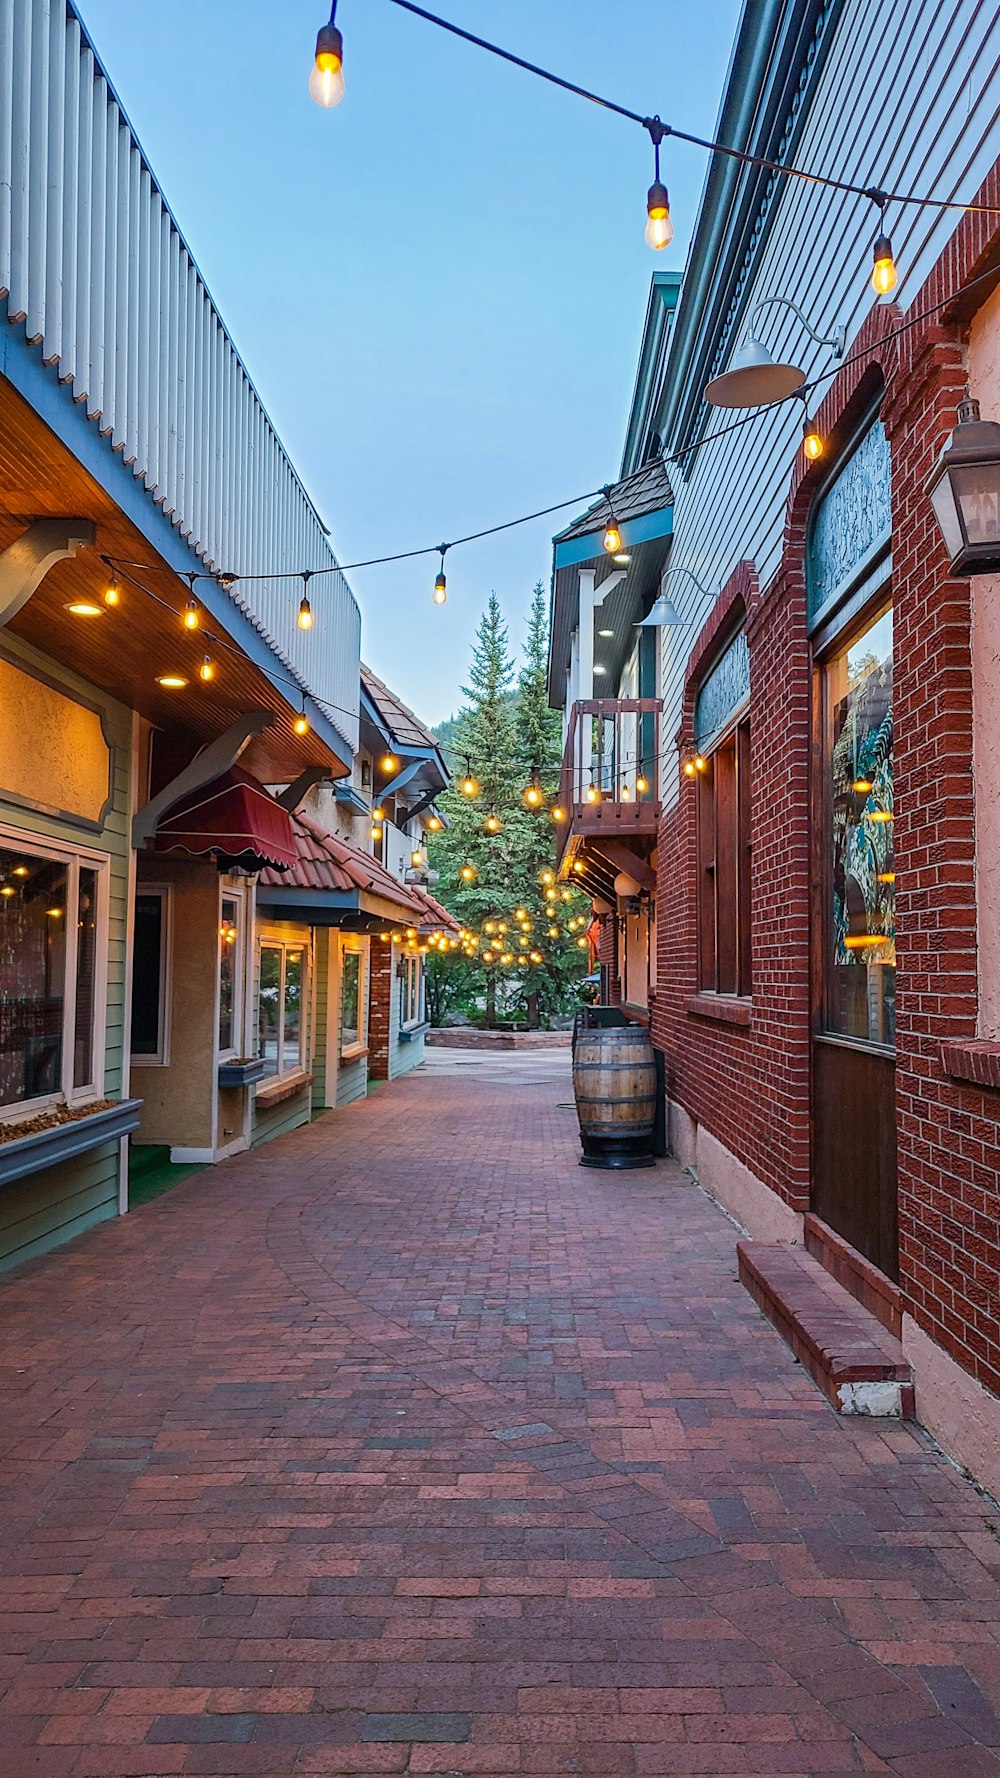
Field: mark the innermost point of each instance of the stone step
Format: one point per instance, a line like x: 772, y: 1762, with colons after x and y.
x: 857, y: 1363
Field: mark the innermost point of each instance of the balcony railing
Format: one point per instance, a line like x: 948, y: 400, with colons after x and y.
x: 610, y: 783
x: 94, y: 266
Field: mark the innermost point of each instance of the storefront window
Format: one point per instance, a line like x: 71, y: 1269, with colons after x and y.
x: 352, y: 1001
x: 282, y: 1002
x: 412, y: 983
x: 230, y: 972
x: 724, y: 867
x: 150, y: 959
x: 861, y: 983
x: 49, y: 927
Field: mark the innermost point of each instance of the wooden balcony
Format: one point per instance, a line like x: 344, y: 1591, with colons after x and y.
x: 610, y: 783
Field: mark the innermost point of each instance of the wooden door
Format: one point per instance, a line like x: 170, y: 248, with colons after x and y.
x: 854, y: 1102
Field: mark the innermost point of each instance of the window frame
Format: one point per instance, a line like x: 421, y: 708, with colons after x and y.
x: 359, y: 1045
x: 73, y: 856
x: 412, y: 977
x: 238, y: 894
x: 725, y: 880
x: 161, y: 1057
x: 855, y: 616
x: 269, y: 940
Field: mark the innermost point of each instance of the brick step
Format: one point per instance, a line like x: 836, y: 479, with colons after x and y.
x: 857, y: 1363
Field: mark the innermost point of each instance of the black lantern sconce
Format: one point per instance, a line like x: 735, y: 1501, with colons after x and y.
x: 964, y: 491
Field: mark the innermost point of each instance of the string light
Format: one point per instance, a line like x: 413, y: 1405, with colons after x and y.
x: 812, y: 443
x: 884, y: 274
x: 326, y: 82
x: 112, y: 592
x: 435, y: 824
x: 301, y: 723
x: 191, y: 617
x: 557, y: 812
x: 641, y: 785
x: 534, y: 796
x: 468, y: 786
x: 468, y: 873
x: 492, y: 823
x: 207, y: 669
x: 612, y: 536
x: 440, y: 582
x: 593, y: 794
x: 388, y: 763
x: 659, y: 228
x: 305, y: 609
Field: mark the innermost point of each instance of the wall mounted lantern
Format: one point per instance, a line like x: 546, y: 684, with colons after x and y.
x: 964, y: 491
x: 754, y: 378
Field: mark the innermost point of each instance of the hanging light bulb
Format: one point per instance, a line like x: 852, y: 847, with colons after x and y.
x: 812, y: 442
x: 884, y: 274
x: 492, y: 823
x: 689, y: 768
x: 489, y: 926
x: 700, y: 763
x: 468, y: 873
x: 534, y: 796
x: 191, y: 617
x: 593, y: 794
x: 641, y: 785
x: 557, y: 812
x: 626, y: 794
x: 547, y: 876
x: 305, y: 609
x: 612, y: 537
x: 388, y: 763
x: 112, y: 592
x: 487, y: 956
x: 301, y: 723
x: 469, y: 787
x: 440, y: 582
x: 553, y: 932
x: 207, y: 669
x: 508, y: 957
x: 326, y: 82
x: 659, y: 228
x: 416, y: 858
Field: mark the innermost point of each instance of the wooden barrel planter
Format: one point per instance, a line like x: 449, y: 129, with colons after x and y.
x: 614, y: 1082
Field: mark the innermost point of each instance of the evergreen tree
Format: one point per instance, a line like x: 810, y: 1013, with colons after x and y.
x: 492, y: 881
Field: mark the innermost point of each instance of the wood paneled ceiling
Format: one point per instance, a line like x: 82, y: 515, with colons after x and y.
x: 124, y: 649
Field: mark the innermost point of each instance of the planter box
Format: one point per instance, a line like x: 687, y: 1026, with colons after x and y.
x: 241, y: 1074
x: 48, y: 1148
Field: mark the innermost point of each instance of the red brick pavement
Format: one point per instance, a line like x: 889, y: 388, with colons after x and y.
x: 404, y: 1445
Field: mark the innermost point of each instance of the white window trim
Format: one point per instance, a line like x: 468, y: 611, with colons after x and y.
x: 359, y: 1047
x: 40, y: 846
x: 412, y: 966
x: 161, y: 1058
x: 280, y: 941
x: 238, y: 894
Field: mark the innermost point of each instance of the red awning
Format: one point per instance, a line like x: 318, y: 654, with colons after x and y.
x: 234, y: 817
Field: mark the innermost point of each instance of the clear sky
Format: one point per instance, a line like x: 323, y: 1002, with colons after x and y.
x: 439, y: 287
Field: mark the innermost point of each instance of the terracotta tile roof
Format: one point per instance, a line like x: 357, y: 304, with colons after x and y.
x: 408, y: 729
x: 326, y: 862
x: 647, y: 491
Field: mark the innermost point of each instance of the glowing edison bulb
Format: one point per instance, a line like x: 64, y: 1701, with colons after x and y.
x: 191, y: 618
x: 112, y: 592
x: 626, y: 794
x: 612, y: 537
x: 547, y: 876
x: 536, y: 956
x: 533, y: 796
x: 440, y: 588
x: 301, y: 723
x: 884, y: 274
x: 593, y: 794
x: 812, y: 443
x: 581, y: 944
x: 326, y: 82
x: 469, y: 786
x: 207, y: 669
x: 490, y: 926
x: 388, y: 762
x: 641, y: 785
x: 468, y: 873
x: 305, y: 615
x: 659, y: 228
x: 689, y: 768
x: 487, y: 956
x: 553, y: 932
x: 492, y: 824
x: 435, y: 824
x: 700, y: 764
x: 416, y: 858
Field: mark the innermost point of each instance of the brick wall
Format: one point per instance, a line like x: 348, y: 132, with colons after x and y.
x: 749, y: 1084
x: 382, y: 982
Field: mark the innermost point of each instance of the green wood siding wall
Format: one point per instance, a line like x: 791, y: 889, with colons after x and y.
x: 39, y: 1212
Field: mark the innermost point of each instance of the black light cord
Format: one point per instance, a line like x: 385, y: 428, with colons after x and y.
x: 873, y: 193
x: 227, y: 581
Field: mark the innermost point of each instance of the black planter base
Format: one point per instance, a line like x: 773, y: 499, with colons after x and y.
x: 617, y: 1162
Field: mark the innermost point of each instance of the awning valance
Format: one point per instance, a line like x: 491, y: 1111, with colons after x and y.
x: 235, y: 818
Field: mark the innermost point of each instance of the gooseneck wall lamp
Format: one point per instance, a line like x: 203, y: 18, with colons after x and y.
x: 754, y: 378
x: 665, y: 612
x: 964, y: 490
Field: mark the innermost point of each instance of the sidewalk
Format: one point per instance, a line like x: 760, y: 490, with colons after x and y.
x: 406, y: 1445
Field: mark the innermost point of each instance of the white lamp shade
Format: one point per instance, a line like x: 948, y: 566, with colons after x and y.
x: 664, y: 612
x: 754, y: 379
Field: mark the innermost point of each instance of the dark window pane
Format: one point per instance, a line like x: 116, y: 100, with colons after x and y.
x: 861, y: 996
x: 350, y: 1005
x: 33, y: 898
x: 147, y: 985
x: 86, y: 979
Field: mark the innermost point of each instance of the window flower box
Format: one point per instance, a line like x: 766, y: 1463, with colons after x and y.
x: 245, y: 1072
x: 64, y: 1134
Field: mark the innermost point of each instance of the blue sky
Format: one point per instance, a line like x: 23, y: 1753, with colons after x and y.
x: 438, y: 287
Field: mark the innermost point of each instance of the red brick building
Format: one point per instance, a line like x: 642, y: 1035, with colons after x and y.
x: 826, y: 987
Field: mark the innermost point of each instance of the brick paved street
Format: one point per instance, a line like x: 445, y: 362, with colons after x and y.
x: 405, y: 1445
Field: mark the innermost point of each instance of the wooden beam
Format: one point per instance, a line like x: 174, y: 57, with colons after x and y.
x: 297, y: 792
x: 207, y: 764
x: 25, y: 562
x: 623, y: 858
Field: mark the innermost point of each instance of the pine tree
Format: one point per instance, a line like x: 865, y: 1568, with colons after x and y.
x: 503, y: 870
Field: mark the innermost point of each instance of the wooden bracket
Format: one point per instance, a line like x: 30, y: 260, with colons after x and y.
x: 25, y: 562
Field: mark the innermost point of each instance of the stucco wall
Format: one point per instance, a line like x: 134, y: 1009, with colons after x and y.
x: 179, y: 1101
